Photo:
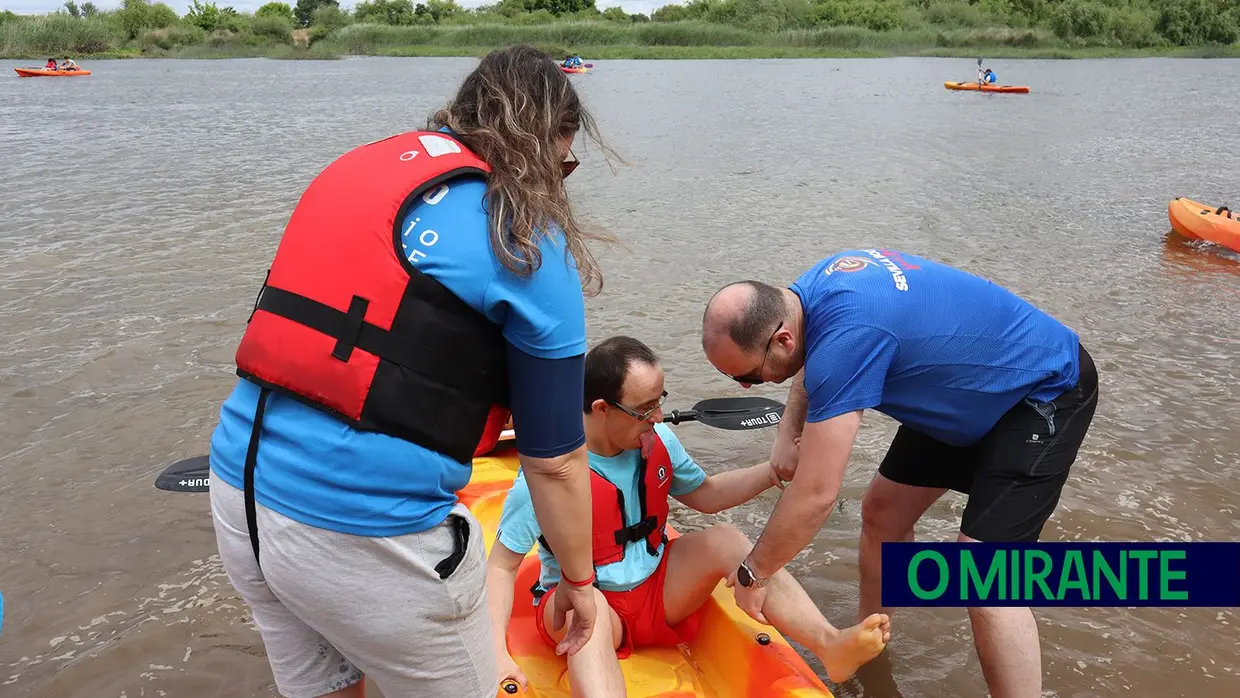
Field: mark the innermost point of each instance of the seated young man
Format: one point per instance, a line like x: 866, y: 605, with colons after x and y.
x: 653, y: 588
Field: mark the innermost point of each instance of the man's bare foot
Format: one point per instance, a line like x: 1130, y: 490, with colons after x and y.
x: 854, y: 646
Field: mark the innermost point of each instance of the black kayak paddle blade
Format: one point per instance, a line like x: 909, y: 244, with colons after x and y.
x: 732, y: 413
x: 189, y: 475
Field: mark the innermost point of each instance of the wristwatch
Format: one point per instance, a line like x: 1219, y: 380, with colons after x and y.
x: 746, y: 577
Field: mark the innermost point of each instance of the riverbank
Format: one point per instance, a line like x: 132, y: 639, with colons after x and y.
x: 596, y: 40
x: 332, y: 51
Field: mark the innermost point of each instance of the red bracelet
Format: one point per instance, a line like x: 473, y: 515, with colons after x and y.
x: 584, y: 583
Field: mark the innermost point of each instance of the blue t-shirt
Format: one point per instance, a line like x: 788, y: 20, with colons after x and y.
x: 934, y: 347
x: 519, y: 530
x: 320, y: 471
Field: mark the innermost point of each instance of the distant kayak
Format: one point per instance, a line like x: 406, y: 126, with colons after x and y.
x: 45, y: 73
x: 1198, y: 221
x: 574, y: 70
x: 975, y: 87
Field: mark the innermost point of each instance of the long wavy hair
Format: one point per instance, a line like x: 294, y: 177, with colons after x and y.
x: 514, y: 111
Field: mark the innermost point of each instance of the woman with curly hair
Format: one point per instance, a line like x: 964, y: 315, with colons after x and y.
x: 428, y: 287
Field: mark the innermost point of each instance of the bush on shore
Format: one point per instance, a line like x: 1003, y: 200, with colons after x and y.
x: 698, y: 27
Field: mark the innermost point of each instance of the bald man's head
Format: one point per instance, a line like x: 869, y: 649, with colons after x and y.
x: 751, y: 333
x: 745, y: 312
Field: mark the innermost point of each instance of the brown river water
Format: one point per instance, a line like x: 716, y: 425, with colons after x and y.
x: 142, y: 204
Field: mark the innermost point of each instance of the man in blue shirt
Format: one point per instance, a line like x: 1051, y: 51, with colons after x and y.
x: 993, y: 396
x: 653, y: 593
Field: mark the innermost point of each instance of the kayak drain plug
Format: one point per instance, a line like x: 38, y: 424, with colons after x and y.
x: 511, y: 687
x: 764, y: 639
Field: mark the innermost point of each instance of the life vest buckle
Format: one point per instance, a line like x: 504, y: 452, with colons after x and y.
x: 638, y: 531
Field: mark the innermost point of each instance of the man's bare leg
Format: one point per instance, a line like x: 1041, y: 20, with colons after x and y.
x: 698, y: 561
x: 594, y: 670
x: 1006, y: 639
x: 889, y: 511
x: 1007, y: 645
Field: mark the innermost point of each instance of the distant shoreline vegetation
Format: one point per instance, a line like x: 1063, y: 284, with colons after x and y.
x: 698, y: 29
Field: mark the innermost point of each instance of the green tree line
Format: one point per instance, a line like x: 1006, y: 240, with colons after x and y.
x: 388, y: 26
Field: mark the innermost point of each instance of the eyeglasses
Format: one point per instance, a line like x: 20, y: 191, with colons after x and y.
x: 640, y: 416
x: 570, y: 165
x: 755, y: 379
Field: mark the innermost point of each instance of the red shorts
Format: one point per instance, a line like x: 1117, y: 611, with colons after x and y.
x: 643, y: 620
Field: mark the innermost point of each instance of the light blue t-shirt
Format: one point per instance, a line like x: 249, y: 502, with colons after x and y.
x: 320, y: 471
x: 934, y: 347
x: 519, y: 530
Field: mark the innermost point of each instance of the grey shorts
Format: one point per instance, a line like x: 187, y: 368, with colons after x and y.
x: 332, y: 607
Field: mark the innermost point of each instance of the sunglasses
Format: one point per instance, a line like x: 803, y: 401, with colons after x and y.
x: 640, y: 416
x: 755, y: 379
x: 570, y: 165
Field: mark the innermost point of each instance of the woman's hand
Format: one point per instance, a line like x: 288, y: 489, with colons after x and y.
x: 580, y: 601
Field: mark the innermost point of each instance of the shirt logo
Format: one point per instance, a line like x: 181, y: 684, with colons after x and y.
x: 662, y: 473
x: 897, y: 274
x: 848, y: 264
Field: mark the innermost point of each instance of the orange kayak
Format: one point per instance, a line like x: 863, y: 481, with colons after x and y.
x: 975, y: 87
x: 1197, y: 221
x: 732, y: 656
x: 45, y: 73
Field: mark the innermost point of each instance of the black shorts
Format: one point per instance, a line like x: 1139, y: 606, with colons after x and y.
x: 1014, y: 474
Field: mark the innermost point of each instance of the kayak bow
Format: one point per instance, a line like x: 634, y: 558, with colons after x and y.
x: 1197, y: 221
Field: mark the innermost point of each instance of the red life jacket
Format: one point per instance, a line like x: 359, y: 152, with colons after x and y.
x: 347, y: 324
x: 610, y: 532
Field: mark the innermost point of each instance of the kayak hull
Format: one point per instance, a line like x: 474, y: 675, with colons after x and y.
x: 975, y: 87
x: 731, y: 656
x: 574, y: 70
x: 1198, y: 221
x: 44, y: 73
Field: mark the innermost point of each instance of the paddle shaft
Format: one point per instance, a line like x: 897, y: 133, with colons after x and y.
x: 733, y: 414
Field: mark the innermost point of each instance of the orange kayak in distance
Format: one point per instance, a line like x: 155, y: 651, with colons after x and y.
x: 1197, y: 221
x: 45, y: 73
x: 732, y: 655
x: 975, y: 87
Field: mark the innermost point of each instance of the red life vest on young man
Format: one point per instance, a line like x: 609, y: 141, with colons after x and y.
x: 347, y: 324
x: 607, y: 503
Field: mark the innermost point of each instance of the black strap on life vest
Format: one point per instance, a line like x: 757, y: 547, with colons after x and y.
x: 648, y: 523
x: 251, y: 462
x: 638, y: 531
x: 460, y: 544
x: 350, y: 329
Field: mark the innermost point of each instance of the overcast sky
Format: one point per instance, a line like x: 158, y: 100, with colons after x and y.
x: 27, y: 7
